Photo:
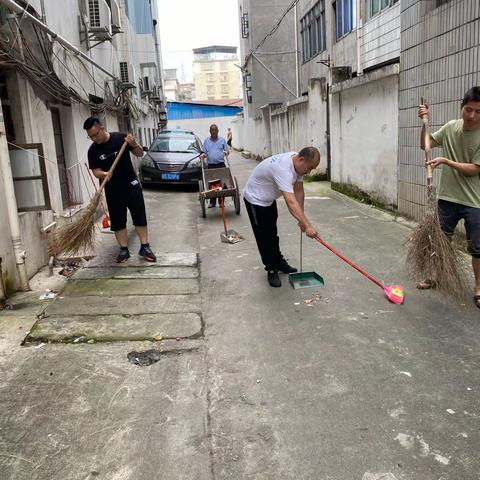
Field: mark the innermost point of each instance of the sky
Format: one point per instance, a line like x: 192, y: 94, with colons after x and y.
x: 188, y: 24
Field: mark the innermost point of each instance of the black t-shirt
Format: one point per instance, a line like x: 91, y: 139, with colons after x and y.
x: 102, y: 156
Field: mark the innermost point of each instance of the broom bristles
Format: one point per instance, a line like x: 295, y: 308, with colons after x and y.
x: 432, y: 256
x: 78, y: 235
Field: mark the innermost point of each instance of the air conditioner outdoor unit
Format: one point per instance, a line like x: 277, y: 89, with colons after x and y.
x: 155, y: 94
x: 127, y: 75
x: 116, y: 17
x: 99, y: 20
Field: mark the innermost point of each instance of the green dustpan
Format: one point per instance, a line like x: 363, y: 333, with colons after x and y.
x: 304, y: 279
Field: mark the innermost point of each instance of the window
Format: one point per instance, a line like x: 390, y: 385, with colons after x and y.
x: 210, y: 77
x: 169, y: 143
x: 6, y: 109
x: 224, y: 77
x: 210, y: 89
x: 29, y: 177
x: 375, y: 6
x: 313, y: 31
x: 225, y: 89
x: 345, y: 17
x: 207, y: 66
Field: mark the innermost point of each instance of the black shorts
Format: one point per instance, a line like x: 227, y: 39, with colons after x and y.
x: 451, y: 213
x: 125, y: 197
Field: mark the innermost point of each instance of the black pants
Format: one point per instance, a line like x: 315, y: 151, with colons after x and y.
x: 123, y: 197
x: 451, y: 213
x: 264, y: 225
x: 213, y: 201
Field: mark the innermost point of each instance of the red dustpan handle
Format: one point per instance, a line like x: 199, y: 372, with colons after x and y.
x: 346, y: 260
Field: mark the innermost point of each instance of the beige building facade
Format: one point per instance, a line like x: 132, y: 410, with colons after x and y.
x: 216, y: 75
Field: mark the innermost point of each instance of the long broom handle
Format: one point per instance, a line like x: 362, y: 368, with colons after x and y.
x: 112, y: 168
x: 222, y: 205
x: 346, y: 260
x: 426, y: 141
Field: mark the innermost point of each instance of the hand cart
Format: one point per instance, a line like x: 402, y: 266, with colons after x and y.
x: 218, y: 183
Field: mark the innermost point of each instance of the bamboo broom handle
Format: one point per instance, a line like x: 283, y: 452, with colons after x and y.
x: 426, y: 141
x: 114, y: 164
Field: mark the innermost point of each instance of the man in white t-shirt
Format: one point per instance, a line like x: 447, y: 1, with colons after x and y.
x: 279, y: 175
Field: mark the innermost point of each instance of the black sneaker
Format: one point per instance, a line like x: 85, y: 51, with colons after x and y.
x: 147, y: 253
x: 274, y: 279
x: 286, y: 268
x: 123, y: 255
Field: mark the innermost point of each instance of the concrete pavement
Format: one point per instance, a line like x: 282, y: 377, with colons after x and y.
x: 332, y: 383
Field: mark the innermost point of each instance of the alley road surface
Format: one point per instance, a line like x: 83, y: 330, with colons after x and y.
x: 252, y: 382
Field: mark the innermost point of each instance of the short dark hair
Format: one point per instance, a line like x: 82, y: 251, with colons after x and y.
x: 310, y: 153
x: 473, y: 95
x: 91, y: 122
x: 214, y: 125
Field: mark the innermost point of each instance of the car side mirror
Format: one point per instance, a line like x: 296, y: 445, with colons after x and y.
x: 145, y: 149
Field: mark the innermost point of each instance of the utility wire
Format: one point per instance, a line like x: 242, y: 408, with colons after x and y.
x: 271, y: 32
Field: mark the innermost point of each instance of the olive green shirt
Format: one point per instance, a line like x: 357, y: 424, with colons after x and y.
x: 463, y: 147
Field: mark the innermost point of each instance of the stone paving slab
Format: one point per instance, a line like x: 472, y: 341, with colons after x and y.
x: 128, y: 304
x: 135, y: 272
x: 187, y: 259
x: 122, y: 287
x: 110, y: 328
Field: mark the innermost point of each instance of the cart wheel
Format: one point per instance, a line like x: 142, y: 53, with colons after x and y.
x: 236, y: 198
x: 202, y: 199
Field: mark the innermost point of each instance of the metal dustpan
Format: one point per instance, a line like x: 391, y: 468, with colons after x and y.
x: 228, y: 236
x: 231, y: 236
x: 304, y: 279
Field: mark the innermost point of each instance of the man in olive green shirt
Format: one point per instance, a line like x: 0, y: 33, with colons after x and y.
x: 459, y: 191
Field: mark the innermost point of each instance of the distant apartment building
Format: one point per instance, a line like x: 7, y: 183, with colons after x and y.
x: 171, y: 84
x: 216, y: 74
x: 186, y: 92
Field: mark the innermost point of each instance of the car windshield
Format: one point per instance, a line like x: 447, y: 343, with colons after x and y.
x: 175, y: 144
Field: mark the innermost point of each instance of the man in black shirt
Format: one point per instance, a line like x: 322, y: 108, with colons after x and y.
x: 123, y: 190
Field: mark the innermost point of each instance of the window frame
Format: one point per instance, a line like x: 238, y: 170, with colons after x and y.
x: 383, y: 5
x: 313, y: 36
x: 43, y: 176
x: 352, y: 24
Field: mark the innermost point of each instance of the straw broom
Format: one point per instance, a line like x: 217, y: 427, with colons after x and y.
x: 431, y: 255
x: 80, y: 234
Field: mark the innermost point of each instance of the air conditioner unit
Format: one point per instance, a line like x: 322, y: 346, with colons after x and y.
x: 127, y: 75
x: 116, y: 17
x: 99, y: 20
x: 155, y: 94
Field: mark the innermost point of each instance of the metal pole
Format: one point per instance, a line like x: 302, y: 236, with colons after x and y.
x: 3, y: 295
x: 23, y: 11
x: 297, y: 63
x: 11, y: 204
x: 158, y: 48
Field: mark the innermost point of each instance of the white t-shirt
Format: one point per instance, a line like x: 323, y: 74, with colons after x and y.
x: 270, y: 178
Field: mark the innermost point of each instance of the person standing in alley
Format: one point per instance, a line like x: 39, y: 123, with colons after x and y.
x: 229, y: 137
x: 459, y: 191
x: 123, y: 190
x: 215, y: 149
x: 279, y: 175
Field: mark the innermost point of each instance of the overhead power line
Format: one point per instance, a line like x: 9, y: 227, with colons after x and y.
x: 271, y: 32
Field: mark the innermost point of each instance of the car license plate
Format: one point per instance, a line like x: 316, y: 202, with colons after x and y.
x: 170, y: 176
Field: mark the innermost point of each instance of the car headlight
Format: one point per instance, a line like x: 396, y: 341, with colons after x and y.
x: 147, y: 162
x: 195, y: 163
